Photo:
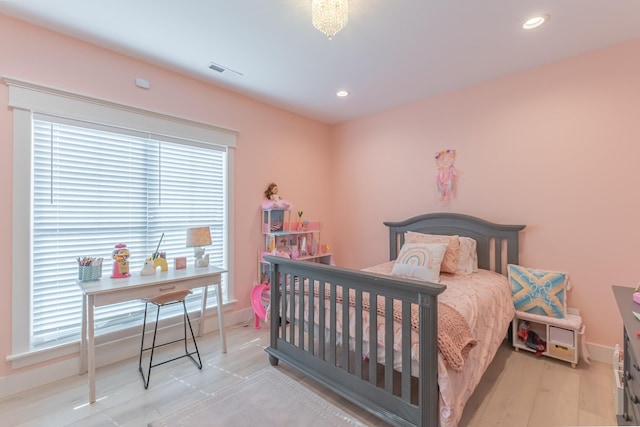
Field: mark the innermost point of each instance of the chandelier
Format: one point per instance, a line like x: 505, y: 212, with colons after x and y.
x: 329, y: 16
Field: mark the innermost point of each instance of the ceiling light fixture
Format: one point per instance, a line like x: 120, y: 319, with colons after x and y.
x: 535, y: 22
x: 342, y: 93
x: 329, y: 16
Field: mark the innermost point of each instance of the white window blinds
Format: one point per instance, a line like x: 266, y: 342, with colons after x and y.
x: 95, y: 186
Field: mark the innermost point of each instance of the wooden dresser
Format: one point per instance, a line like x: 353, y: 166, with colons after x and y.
x: 631, y: 413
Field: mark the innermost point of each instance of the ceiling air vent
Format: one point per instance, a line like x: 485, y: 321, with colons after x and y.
x: 215, y: 67
x: 221, y: 68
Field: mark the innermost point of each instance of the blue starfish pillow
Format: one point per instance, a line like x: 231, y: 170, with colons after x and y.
x: 538, y: 291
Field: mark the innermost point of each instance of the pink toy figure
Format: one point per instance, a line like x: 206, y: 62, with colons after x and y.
x: 120, y: 257
x: 446, y: 175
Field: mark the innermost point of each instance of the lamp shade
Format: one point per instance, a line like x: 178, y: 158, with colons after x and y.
x: 198, y: 236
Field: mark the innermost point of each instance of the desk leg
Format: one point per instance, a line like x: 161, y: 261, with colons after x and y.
x: 91, y: 350
x: 220, y: 319
x: 83, y: 337
x: 205, y: 292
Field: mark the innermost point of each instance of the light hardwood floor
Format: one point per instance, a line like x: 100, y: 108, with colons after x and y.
x: 518, y: 389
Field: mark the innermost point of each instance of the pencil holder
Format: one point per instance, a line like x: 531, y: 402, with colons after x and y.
x: 88, y: 273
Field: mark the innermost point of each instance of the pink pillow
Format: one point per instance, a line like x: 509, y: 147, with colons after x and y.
x: 468, y: 260
x: 452, y: 254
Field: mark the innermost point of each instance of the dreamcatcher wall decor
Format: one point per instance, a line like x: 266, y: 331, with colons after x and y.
x: 446, y: 175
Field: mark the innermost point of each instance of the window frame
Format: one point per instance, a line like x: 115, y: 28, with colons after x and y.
x: 27, y: 98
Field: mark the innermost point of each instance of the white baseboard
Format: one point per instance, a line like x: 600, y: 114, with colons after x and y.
x: 106, y: 354
x: 600, y: 353
x: 23, y: 381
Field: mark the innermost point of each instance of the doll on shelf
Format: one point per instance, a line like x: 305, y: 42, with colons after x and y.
x: 273, y: 199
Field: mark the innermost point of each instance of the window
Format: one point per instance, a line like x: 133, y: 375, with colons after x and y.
x: 93, y: 185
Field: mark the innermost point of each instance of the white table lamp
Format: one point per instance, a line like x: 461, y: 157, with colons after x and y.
x: 198, y: 237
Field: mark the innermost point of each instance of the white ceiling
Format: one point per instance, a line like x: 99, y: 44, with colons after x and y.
x: 391, y: 52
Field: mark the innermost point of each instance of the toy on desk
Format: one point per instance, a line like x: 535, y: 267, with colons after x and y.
x: 162, y: 263
x: 158, y: 259
x: 120, y: 257
x: 202, y: 260
x: 148, y: 268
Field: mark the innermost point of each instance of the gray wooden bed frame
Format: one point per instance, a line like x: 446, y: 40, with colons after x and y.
x: 394, y: 396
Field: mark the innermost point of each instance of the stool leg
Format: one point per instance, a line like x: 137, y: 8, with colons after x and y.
x: 153, y: 347
x: 145, y: 381
x: 144, y: 325
x: 186, y: 321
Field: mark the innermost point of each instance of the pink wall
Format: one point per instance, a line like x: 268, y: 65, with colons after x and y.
x: 555, y: 148
x: 273, y: 145
x: 552, y: 148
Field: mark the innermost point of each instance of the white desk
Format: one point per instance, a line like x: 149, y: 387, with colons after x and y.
x: 111, y: 291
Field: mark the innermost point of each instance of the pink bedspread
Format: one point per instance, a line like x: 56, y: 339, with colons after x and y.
x: 484, y: 299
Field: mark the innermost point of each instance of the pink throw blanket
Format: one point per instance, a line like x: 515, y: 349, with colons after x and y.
x: 455, y: 340
x: 454, y: 337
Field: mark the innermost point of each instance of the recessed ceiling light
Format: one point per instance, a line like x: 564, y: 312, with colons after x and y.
x: 535, y: 22
x: 342, y: 93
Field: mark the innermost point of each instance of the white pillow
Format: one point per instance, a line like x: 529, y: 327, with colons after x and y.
x: 468, y: 259
x: 420, y: 261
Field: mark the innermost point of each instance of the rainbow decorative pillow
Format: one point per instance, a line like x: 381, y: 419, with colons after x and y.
x: 451, y: 255
x: 420, y: 261
x: 538, y: 291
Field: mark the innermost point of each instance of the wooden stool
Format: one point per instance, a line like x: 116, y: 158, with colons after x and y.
x: 161, y: 300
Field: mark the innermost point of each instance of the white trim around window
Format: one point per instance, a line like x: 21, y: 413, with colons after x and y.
x: 27, y: 98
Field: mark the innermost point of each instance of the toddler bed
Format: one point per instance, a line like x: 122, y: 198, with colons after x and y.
x: 403, y: 378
